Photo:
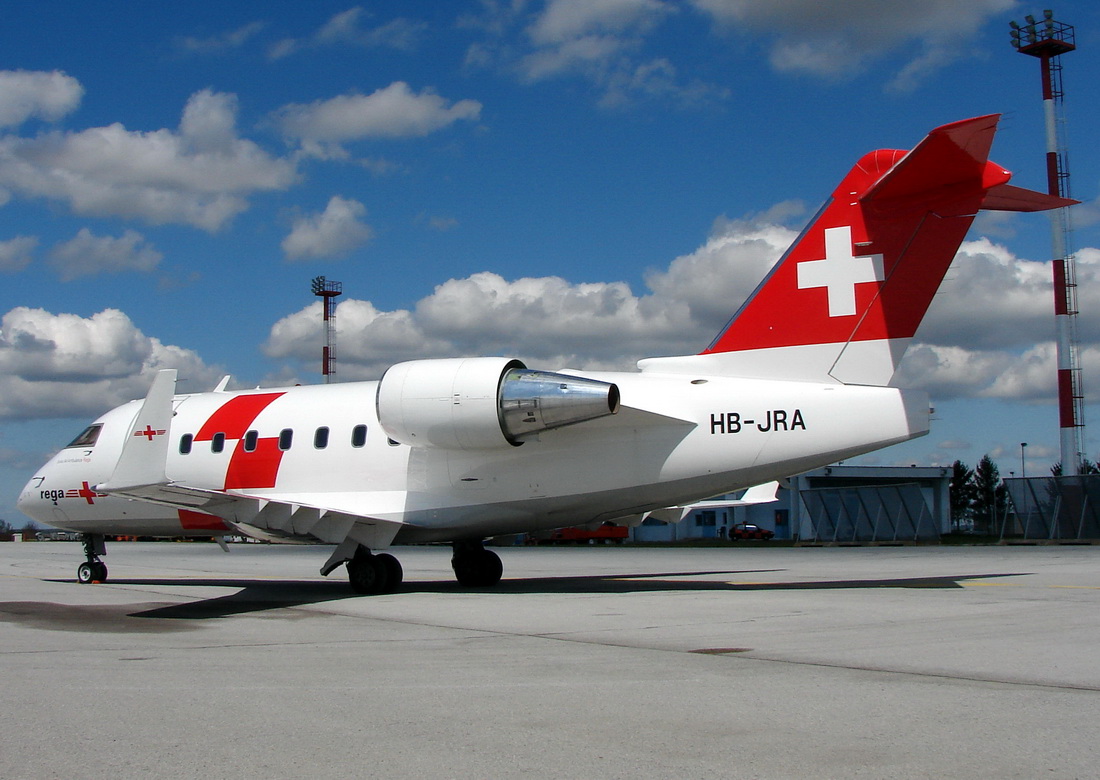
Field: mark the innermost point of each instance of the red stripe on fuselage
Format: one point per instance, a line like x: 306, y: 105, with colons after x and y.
x: 256, y: 469
x: 234, y: 417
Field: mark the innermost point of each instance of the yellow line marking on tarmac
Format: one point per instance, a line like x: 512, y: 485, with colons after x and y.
x: 1020, y: 585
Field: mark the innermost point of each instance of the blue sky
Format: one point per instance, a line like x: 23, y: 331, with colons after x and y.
x: 578, y: 184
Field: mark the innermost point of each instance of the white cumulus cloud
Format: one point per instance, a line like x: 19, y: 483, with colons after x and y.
x: 87, y: 255
x: 390, y: 112
x: 565, y: 20
x: 15, y: 253
x: 200, y: 175
x: 64, y: 365
x: 334, y: 232
x: 838, y: 40
x: 30, y: 93
x: 609, y: 44
x: 350, y: 27
x: 548, y: 321
x: 222, y: 42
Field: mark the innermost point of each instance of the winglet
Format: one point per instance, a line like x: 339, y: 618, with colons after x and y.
x: 145, y: 451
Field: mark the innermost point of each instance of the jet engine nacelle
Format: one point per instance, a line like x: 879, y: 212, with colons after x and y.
x: 483, y: 403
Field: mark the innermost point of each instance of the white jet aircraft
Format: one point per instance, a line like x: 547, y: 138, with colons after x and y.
x: 461, y: 450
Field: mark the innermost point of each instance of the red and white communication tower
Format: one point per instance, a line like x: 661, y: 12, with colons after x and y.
x: 1047, y: 40
x: 328, y: 292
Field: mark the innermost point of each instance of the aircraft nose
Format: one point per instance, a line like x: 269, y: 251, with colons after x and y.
x: 31, y: 502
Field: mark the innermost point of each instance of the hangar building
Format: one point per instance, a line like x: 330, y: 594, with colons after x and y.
x: 836, y: 504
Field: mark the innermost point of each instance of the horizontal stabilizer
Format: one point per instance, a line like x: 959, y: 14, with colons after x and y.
x: 1006, y: 197
x: 952, y: 160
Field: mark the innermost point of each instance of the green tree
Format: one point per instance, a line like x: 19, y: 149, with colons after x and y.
x: 990, y: 496
x: 1087, y: 467
x: 963, y: 493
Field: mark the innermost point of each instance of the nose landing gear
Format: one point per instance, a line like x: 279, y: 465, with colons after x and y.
x: 93, y: 569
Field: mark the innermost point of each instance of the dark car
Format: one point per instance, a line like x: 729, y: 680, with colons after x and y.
x: 750, y: 531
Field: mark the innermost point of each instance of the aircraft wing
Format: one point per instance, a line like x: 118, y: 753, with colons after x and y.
x: 283, y: 518
x: 757, y: 494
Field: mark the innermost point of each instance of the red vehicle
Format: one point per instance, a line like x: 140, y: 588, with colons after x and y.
x: 605, y: 534
x: 750, y: 531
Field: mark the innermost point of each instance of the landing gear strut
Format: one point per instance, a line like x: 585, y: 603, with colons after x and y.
x: 369, y: 573
x: 93, y: 569
x: 476, y: 567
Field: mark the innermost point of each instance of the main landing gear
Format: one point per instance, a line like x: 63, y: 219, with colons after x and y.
x: 369, y: 573
x: 476, y: 567
x: 93, y: 569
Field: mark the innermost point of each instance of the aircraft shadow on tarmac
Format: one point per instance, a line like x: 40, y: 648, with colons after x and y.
x: 260, y: 596
x: 270, y: 595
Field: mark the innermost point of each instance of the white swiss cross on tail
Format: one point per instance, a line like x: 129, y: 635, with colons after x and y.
x: 840, y: 271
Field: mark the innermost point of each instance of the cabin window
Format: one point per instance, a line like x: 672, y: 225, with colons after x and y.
x: 358, y: 436
x: 320, y: 438
x: 185, y: 443
x: 87, y: 438
x: 286, y: 438
x: 217, y: 444
x: 250, y: 440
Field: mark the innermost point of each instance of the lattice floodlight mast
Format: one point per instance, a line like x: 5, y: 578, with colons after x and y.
x: 328, y: 292
x: 1047, y: 40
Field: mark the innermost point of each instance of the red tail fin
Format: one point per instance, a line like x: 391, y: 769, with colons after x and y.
x: 844, y: 301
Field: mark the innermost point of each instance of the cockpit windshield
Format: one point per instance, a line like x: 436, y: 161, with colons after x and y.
x: 88, y: 438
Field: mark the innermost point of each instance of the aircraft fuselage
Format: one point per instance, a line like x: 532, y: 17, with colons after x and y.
x: 674, y: 438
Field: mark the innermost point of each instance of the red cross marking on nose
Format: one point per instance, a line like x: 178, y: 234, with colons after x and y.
x: 87, y: 493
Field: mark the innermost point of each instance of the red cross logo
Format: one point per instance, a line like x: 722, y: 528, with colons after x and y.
x: 149, y: 433
x: 88, y: 494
